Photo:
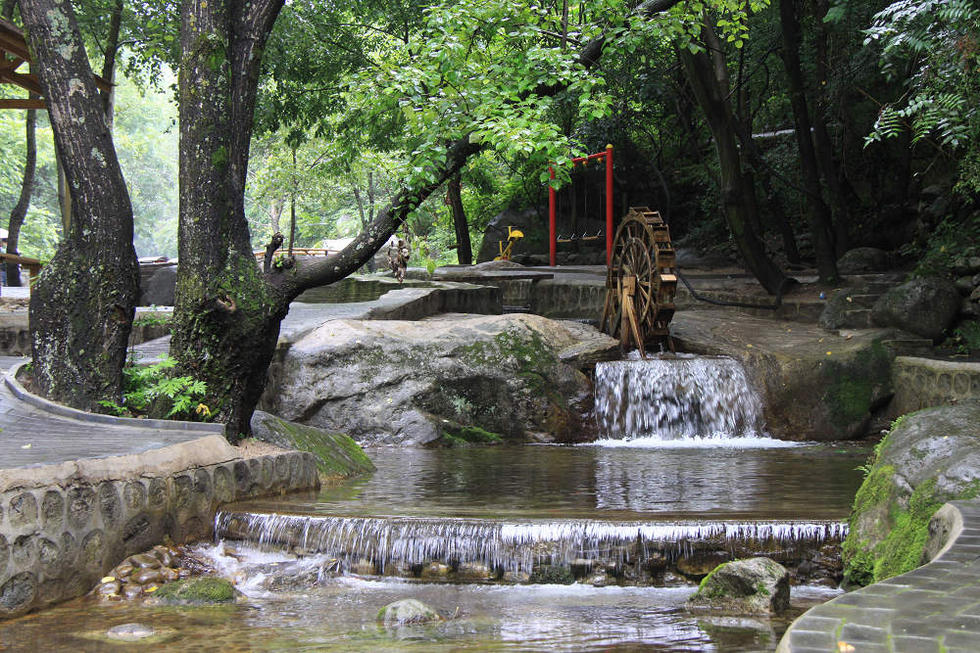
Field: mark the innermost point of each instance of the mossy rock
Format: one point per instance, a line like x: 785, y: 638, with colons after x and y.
x: 750, y: 586
x: 929, y: 457
x: 197, y: 591
x: 337, y: 455
x: 407, y: 612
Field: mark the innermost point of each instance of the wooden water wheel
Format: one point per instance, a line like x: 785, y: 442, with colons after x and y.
x: 641, y: 281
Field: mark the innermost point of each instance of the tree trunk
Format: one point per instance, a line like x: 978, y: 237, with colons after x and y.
x: 737, y: 193
x: 454, y: 197
x: 817, y: 212
x: 109, y: 65
x: 19, y: 212
x: 82, y: 306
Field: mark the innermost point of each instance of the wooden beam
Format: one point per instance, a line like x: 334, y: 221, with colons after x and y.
x: 28, y: 82
x: 22, y: 103
x: 12, y: 40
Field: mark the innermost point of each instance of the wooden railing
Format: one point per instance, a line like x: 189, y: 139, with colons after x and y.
x: 32, y: 264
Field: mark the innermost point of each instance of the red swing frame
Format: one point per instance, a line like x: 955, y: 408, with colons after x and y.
x: 552, y: 237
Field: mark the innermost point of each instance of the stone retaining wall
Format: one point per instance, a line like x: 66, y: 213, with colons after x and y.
x: 61, y: 532
x: 555, y: 299
x: 922, y: 382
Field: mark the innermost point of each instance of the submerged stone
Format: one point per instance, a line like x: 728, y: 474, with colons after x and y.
x: 130, y: 632
x: 752, y: 586
x: 406, y: 612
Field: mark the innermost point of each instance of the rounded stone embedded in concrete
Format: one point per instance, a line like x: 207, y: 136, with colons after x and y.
x: 183, y: 492
x: 93, y: 547
x: 24, y: 551
x: 224, y: 484
x: 81, y: 505
x: 268, y: 472
x: 243, y: 476
x: 18, y: 592
x: 961, y: 385
x: 203, y: 488
x: 294, y: 469
x: 52, y: 511
x: 110, y: 505
x: 4, y: 554
x: 157, y: 494
x: 134, y: 496
x: 23, y: 510
x: 282, y: 468
x: 49, y: 553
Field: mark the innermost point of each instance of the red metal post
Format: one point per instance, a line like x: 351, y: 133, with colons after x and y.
x: 552, y: 237
x: 609, y: 204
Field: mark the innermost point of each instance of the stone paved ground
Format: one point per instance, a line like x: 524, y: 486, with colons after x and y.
x: 30, y: 437
x: 933, y: 609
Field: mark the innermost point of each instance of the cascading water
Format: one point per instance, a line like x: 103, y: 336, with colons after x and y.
x: 676, y: 397
x: 520, y: 546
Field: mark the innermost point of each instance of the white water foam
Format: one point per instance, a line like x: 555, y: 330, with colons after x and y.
x: 676, y: 398
x: 696, y: 443
x: 511, y: 546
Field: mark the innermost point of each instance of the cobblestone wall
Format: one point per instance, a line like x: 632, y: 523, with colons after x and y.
x: 58, y: 540
x: 921, y: 382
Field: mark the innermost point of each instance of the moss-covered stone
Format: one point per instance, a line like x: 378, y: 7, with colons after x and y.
x: 197, y: 591
x: 927, y: 459
x: 552, y: 575
x: 457, y: 435
x: 337, y: 455
x: 852, y: 384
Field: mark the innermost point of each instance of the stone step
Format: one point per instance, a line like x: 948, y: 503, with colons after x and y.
x: 857, y: 318
x: 864, y: 300
x: 909, y: 346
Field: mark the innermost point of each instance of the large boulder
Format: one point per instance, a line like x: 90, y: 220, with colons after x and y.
x: 464, y: 378
x: 337, y: 455
x: 929, y: 457
x: 863, y: 259
x: 752, y: 586
x: 925, y: 307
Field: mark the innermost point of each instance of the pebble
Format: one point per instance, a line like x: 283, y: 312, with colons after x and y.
x: 132, y: 590
x: 143, y: 561
x: 146, y: 576
x: 109, y: 589
x: 163, y: 555
x: 130, y: 632
x: 123, y: 570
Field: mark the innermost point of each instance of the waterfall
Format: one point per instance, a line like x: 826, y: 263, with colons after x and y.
x: 516, y: 546
x: 676, y: 398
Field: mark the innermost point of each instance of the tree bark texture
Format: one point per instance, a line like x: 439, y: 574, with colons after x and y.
x: 454, y: 197
x: 737, y: 193
x: 109, y: 64
x: 82, y: 306
x: 817, y: 211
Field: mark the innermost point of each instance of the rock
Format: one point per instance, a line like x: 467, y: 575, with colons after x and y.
x: 863, y: 259
x: 435, y: 571
x: 162, y: 554
x: 337, y: 455
x: 132, y: 590
x: 197, y: 591
x: 925, y: 307
x: 123, y: 570
x: 965, y: 285
x: 407, y: 612
x: 752, y: 586
x: 464, y: 379
x: 130, y: 632
x: 143, y: 561
x: 146, y: 577
x: 473, y: 572
x: 364, y: 568
x: 110, y: 589
x: 159, y: 289
x: 929, y: 457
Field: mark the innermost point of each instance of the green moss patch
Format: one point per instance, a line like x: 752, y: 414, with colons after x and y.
x: 852, y: 385
x: 337, y: 455
x: 197, y: 591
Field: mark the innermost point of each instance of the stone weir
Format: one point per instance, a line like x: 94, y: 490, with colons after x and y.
x: 676, y: 397
x: 596, y: 552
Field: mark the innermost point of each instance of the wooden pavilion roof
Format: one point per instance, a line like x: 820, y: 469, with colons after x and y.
x: 15, y: 54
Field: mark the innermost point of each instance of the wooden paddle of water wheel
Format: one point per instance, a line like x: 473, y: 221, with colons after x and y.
x: 641, y: 281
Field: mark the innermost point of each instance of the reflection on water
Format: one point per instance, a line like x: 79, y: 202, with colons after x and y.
x: 340, y: 616
x: 814, y: 482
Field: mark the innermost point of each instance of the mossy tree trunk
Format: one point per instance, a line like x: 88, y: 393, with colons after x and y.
x: 82, y: 306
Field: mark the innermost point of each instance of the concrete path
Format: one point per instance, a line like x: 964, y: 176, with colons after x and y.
x: 30, y: 436
x: 932, y: 609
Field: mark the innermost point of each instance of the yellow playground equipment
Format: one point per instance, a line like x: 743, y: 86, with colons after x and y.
x: 513, y: 235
